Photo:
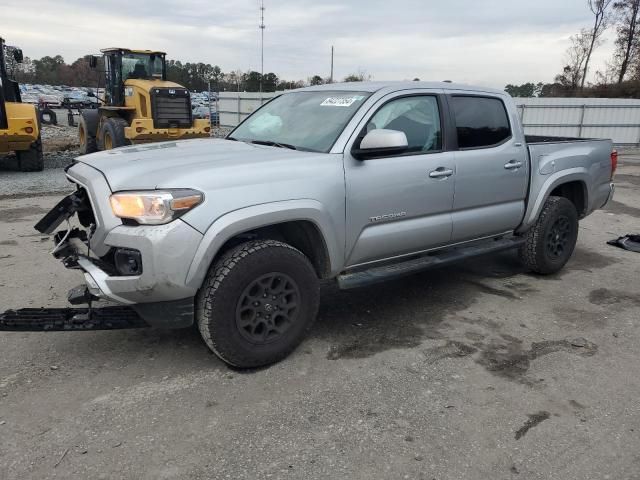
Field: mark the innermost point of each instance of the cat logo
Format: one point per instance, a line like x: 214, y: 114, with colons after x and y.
x: 172, y: 92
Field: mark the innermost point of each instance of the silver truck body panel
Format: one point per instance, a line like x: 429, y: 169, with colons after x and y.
x: 256, y: 216
x: 556, y: 163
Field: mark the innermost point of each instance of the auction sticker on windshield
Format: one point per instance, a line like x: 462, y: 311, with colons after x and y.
x: 340, y: 101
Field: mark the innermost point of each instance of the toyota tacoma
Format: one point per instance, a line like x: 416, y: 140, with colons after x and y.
x: 357, y: 182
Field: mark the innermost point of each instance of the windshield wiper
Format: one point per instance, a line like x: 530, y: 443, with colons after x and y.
x: 270, y: 143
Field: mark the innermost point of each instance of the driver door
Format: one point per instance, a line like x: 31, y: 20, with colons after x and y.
x: 400, y: 204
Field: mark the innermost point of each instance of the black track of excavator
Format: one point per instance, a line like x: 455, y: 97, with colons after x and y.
x: 70, y: 319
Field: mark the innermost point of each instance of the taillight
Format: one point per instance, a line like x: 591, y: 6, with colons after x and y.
x: 614, y: 162
x: 29, y: 130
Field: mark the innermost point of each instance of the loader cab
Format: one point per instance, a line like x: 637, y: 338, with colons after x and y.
x: 121, y: 65
x: 9, y: 89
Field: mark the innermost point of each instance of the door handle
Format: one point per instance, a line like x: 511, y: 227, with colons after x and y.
x: 513, y: 165
x: 441, y: 172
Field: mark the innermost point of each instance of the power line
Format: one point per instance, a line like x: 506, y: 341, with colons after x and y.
x: 261, y: 26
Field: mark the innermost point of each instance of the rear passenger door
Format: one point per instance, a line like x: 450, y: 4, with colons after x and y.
x: 492, y: 168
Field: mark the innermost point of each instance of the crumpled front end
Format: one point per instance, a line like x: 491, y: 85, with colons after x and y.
x: 144, y: 266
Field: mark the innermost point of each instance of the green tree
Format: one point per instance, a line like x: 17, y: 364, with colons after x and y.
x: 269, y: 82
x: 526, y: 90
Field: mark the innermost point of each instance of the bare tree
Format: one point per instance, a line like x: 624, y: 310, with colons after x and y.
x: 360, y: 76
x: 628, y: 33
x: 577, y: 54
x: 599, y: 8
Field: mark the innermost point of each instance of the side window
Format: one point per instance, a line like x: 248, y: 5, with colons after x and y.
x: 418, y: 117
x: 480, y: 121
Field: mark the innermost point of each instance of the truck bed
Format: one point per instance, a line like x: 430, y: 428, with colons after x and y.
x: 552, y: 158
x: 533, y: 139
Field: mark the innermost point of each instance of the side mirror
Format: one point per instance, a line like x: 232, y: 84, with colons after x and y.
x: 381, y: 142
x: 17, y: 55
x: 93, y: 61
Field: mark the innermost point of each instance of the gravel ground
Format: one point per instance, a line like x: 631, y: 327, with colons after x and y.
x: 475, y: 371
x: 60, y: 148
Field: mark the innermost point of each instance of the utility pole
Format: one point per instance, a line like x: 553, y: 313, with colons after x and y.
x: 261, y: 42
x: 331, y: 77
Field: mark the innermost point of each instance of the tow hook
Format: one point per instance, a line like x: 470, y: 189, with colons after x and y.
x: 80, y: 295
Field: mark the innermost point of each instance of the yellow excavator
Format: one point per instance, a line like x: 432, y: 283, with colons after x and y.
x: 19, y: 126
x: 137, y: 104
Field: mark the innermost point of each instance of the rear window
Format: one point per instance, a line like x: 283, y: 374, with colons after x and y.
x: 480, y: 121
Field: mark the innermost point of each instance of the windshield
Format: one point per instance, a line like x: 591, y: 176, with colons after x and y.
x: 303, y: 120
x: 141, y: 65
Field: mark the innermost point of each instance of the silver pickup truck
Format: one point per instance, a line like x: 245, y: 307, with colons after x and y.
x: 358, y: 182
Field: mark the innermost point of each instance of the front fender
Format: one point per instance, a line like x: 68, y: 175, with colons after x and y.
x: 256, y: 216
x: 538, y: 196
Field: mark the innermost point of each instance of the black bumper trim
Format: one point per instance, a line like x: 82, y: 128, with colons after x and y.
x: 69, y: 319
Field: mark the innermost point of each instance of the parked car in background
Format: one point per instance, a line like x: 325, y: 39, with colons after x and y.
x: 30, y: 97
x: 79, y: 99
x: 50, y: 100
x: 203, y: 112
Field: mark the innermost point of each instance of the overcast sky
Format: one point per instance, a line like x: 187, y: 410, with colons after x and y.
x: 487, y: 42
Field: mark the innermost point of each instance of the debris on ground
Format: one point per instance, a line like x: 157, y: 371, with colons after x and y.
x: 629, y: 242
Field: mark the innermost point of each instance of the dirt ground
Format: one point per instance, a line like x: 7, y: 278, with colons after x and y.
x: 477, y: 371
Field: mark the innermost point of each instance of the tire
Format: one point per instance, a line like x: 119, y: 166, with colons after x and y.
x: 87, y: 129
x: 112, y: 133
x: 48, y: 117
x: 31, y: 160
x: 550, y: 242
x: 234, y: 320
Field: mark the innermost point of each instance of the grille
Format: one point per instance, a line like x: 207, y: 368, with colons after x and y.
x: 171, y: 108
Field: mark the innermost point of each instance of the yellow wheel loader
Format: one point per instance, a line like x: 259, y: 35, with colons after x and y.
x: 19, y: 126
x: 138, y: 104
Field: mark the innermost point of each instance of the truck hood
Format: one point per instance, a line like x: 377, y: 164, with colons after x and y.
x: 199, y: 163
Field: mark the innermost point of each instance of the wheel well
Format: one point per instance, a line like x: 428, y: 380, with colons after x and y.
x: 575, y: 192
x: 301, y: 234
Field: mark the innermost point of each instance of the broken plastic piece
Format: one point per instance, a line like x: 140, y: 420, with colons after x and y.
x: 629, y: 242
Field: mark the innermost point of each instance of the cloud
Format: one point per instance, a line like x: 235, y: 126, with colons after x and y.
x: 490, y: 42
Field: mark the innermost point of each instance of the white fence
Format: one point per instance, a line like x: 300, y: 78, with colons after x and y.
x: 615, y: 118
x: 618, y: 119
x: 234, y: 107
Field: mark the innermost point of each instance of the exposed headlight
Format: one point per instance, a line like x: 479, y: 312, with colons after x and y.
x: 154, y: 207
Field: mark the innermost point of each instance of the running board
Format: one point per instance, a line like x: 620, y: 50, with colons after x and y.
x: 70, y: 319
x: 439, y: 259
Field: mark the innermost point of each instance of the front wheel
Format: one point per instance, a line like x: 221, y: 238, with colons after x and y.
x: 257, y: 303
x: 550, y: 242
x: 113, y: 136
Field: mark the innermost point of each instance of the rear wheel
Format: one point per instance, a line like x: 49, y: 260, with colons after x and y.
x: 31, y: 160
x: 113, y: 133
x: 257, y: 303
x: 551, y: 241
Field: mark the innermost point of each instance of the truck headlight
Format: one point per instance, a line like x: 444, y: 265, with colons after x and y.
x: 154, y: 207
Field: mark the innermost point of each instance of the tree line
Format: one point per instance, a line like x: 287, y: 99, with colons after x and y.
x: 621, y: 75
x: 195, y: 76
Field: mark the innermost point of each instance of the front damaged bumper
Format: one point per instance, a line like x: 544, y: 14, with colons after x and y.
x: 157, y: 290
